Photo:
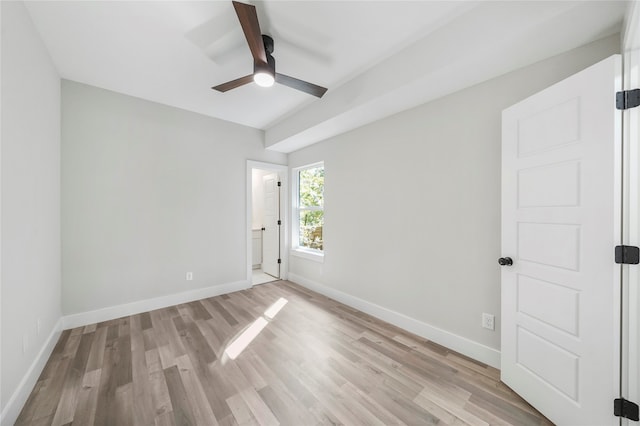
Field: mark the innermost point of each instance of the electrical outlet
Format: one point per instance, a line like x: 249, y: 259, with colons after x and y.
x: 488, y: 321
x: 189, y: 276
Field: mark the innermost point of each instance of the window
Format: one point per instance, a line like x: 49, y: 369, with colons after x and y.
x: 309, y: 209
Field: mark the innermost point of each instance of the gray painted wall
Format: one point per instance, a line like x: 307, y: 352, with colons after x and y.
x: 149, y: 193
x: 30, y: 195
x: 412, y: 213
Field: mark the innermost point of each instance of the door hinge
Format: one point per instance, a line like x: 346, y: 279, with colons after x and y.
x: 279, y: 222
x: 628, y: 99
x: 279, y: 183
x: 626, y: 409
x: 279, y: 260
x: 627, y: 255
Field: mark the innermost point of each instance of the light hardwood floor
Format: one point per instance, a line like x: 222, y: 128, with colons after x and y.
x: 315, y: 361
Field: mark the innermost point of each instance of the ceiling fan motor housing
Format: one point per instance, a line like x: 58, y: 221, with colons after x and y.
x: 268, y: 43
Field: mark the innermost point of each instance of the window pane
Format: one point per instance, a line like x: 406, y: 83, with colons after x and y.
x: 311, y: 187
x: 311, y: 223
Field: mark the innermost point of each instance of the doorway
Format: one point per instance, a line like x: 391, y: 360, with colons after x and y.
x: 265, y: 222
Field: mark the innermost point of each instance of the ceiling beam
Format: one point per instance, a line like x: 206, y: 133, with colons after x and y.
x: 470, y: 49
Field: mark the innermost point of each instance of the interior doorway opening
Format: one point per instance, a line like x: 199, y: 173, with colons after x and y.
x: 265, y: 220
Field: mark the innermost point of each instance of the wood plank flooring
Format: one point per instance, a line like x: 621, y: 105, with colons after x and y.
x: 315, y: 361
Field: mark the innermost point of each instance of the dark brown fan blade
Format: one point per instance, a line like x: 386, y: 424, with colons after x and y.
x: 303, y: 86
x: 251, y: 28
x: 234, y: 83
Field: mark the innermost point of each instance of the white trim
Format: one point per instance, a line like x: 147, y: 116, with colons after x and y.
x: 283, y: 172
x: 631, y: 226
x: 442, y: 337
x: 12, y: 410
x: 1, y: 408
x: 118, y: 311
x: 313, y: 255
x: 631, y: 141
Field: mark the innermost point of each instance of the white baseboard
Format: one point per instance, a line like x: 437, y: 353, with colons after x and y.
x: 12, y: 410
x: 133, y: 308
x: 442, y: 337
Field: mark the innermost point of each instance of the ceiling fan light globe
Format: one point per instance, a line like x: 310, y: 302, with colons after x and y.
x: 263, y: 79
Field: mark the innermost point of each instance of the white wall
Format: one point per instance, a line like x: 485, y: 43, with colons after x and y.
x: 412, y: 213
x: 30, y: 198
x: 149, y: 193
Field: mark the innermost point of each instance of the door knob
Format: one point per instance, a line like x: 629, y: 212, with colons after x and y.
x: 505, y: 261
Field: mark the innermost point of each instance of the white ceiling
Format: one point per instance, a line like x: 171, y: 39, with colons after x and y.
x: 375, y: 57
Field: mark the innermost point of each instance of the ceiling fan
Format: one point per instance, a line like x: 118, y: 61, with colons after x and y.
x: 264, y: 65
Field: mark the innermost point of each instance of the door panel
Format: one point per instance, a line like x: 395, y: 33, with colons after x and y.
x: 549, y: 244
x: 549, y: 128
x: 550, y: 185
x: 551, y: 364
x: 548, y: 302
x: 560, y: 216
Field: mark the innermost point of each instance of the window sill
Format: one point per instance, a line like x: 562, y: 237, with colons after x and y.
x: 308, y: 254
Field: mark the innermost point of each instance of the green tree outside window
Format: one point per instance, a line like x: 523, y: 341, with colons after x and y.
x: 311, y: 207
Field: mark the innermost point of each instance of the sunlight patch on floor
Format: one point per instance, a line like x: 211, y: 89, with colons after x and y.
x: 246, y: 337
x: 275, y: 308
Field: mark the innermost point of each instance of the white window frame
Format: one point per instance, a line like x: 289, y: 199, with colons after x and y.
x: 296, y: 249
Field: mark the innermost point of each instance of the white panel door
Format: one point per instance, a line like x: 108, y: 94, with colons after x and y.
x: 271, y: 234
x: 560, y: 223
